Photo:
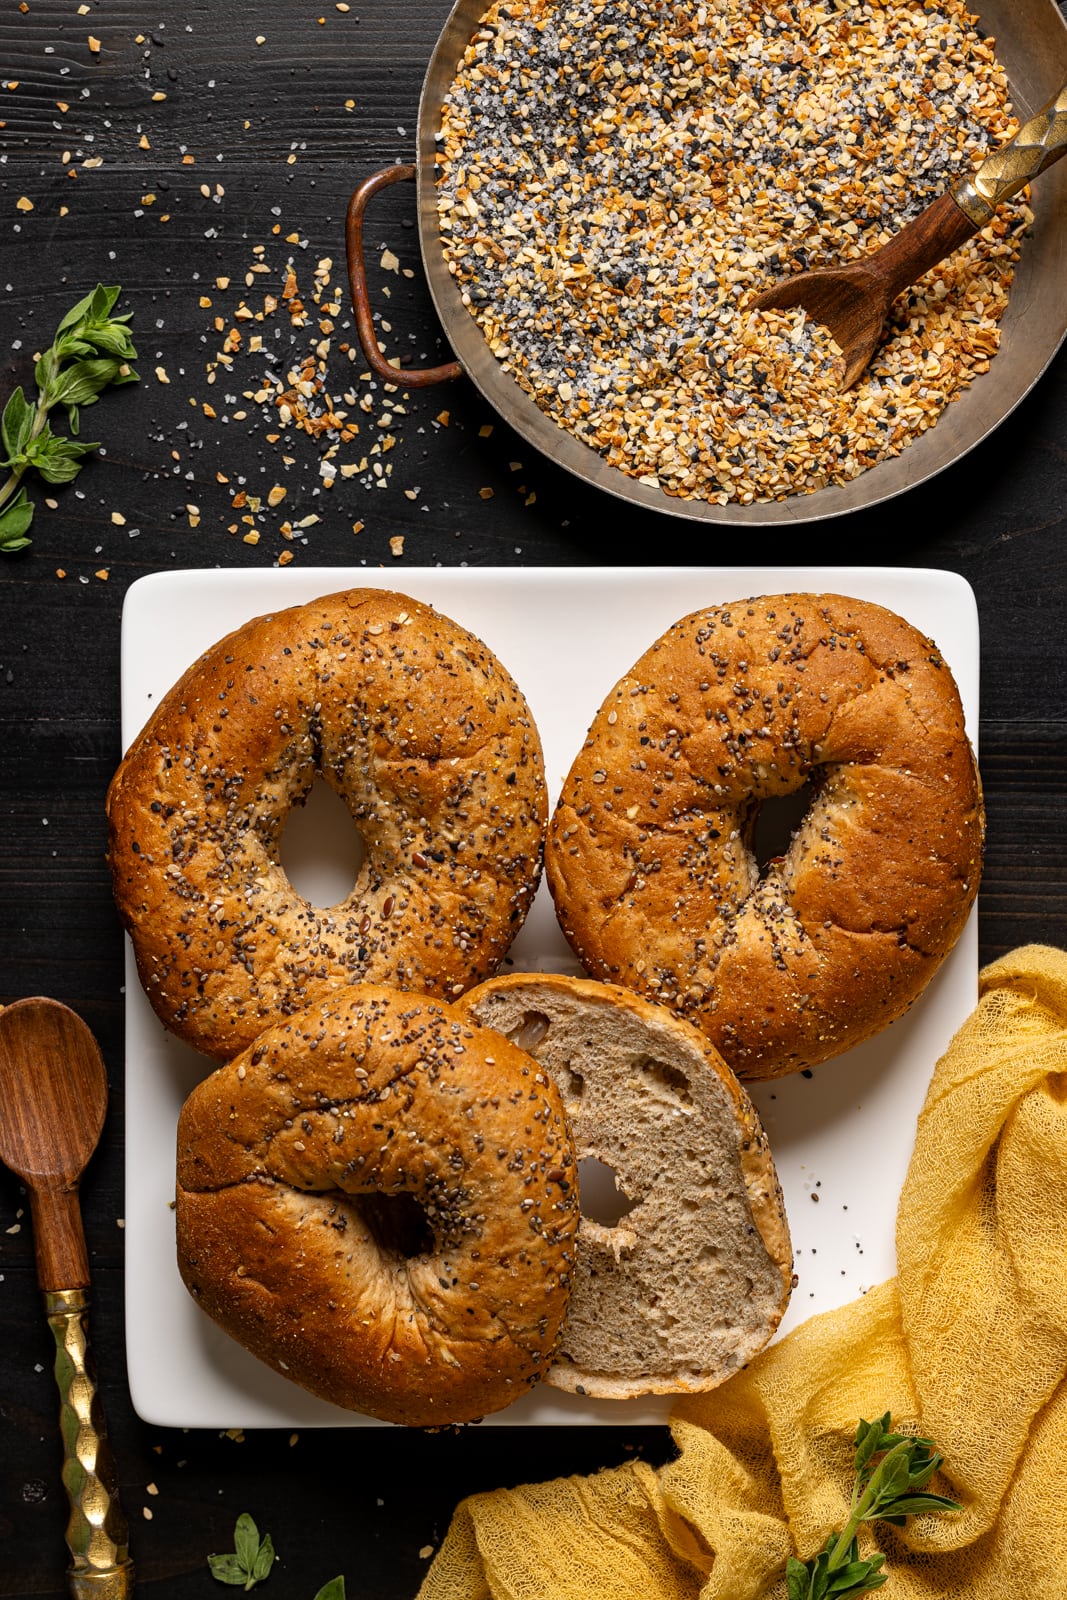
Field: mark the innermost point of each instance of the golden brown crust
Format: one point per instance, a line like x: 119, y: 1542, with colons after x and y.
x: 436, y: 1308
x: 598, y: 1009
x: 418, y: 727
x: 649, y: 859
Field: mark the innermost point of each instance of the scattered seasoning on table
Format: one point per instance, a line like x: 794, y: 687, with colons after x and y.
x: 616, y: 180
x: 352, y: 420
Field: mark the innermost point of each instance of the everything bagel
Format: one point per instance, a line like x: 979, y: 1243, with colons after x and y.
x: 423, y: 734
x: 379, y: 1200
x: 650, y: 859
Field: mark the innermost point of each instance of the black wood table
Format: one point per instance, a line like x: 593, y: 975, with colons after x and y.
x: 187, y: 152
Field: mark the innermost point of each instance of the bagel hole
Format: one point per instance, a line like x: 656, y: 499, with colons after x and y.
x: 571, y: 1085
x: 397, y: 1223
x: 321, y: 850
x: 665, y: 1081
x: 530, y: 1031
x: 599, y: 1195
x: 777, y: 821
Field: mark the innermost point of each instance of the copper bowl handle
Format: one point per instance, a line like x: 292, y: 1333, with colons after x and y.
x: 400, y: 377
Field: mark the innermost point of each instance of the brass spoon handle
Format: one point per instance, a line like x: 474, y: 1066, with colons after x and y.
x: 97, y: 1536
x: 1038, y: 143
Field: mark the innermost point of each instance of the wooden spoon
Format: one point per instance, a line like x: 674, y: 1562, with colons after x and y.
x: 854, y: 301
x: 53, y: 1096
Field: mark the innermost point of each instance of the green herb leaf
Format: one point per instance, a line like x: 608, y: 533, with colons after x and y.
x: 227, y: 1569
x: 76, y: 313
x: 868, y: 1440
x: 848, y: 1579
x: 912, y: 1505
x: 45, y: 375
x: 14, y: 521
x: 252, y: 1557
x: 797, y: 1579
x: 16, y: 425
x: 894, y: 1478
x: 58, y: 460
x: 264, y: 1560
x: 114, y: 340
x: 868, y: 1581
x: 81, y: 382
x: 102, y: 299
x: 71, y: 345
x: 335, y: 1590
x: 246, y: 1540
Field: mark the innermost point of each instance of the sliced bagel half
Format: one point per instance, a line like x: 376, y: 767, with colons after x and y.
x: 684, y: 1264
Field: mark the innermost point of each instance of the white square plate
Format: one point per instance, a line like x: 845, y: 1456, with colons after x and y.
x: 566, y: 635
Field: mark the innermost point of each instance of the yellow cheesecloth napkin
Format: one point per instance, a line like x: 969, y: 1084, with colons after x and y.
x: 968, y: 1345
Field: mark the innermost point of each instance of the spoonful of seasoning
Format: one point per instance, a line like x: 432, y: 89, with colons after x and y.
x: 53, y: 1096
x: 853, y: 301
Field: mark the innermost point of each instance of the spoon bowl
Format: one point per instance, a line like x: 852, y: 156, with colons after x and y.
x: 853, y: 301
x: 53, y: 1099
x: 53, y: 1090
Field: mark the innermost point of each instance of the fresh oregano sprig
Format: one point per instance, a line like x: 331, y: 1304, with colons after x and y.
x: 891, y: 1470
x: 91, y: 350
x: 250, y: 1560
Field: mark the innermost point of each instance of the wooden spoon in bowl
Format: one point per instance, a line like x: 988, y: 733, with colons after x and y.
x: 853, y: 301
x: 53, y: 1096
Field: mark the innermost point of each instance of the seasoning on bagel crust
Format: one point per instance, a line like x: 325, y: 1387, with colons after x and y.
x: 379, y: 1200
x: 650, y: 860
x: 420, y: 730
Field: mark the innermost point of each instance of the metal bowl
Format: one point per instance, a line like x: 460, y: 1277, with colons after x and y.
x: 1031, y: 38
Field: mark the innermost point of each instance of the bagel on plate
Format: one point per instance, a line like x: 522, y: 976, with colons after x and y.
x: 378, y: 1199
x: 432, y: 746
x: 650, y: 856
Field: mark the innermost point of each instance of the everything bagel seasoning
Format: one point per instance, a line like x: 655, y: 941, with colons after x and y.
x: 618, y: 178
